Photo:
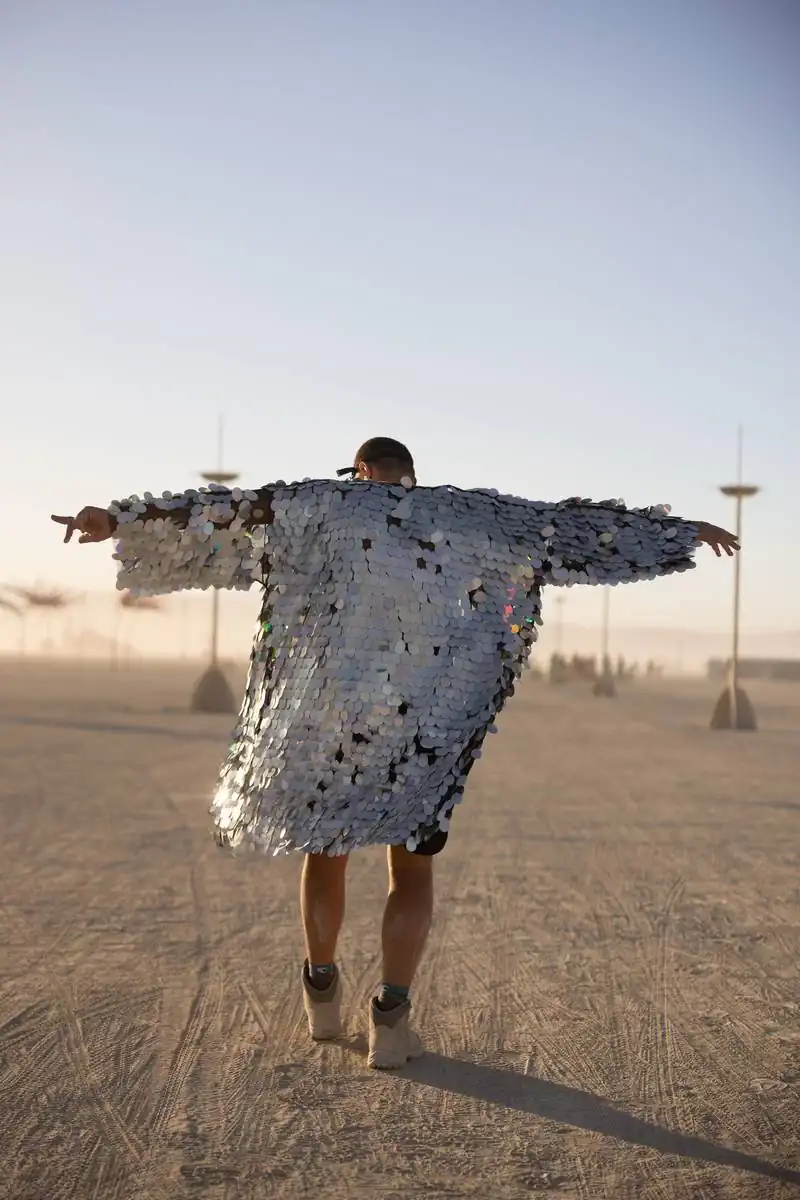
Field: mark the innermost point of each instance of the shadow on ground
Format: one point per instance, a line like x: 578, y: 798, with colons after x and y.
x: 571, y: 1106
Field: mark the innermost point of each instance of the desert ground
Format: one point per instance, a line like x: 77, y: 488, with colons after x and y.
x: 610, y: 997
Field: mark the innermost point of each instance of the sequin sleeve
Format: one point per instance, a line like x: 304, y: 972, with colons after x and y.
x: 581, y: 541
x: 199, y: 538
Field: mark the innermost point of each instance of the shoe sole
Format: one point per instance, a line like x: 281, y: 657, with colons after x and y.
x: 393, y: 1066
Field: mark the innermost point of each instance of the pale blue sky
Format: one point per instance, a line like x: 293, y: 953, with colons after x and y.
x: 554, y: 246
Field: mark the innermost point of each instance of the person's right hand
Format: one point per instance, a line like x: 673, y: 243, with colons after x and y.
x: 94, y: 524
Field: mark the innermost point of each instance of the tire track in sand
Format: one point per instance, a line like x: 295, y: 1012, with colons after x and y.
x: 251, y: 1077
x: 114, y: 1130
x: 645, y: 1049
x: 204, y: 1008
x: 670, y: 1098
x: 111, y: 1126
x: 634, y: 1024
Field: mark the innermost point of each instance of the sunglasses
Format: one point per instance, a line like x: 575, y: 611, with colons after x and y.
x: 350, y: 472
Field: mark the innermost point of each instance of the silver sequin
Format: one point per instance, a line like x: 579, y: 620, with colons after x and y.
x: 394, y: 626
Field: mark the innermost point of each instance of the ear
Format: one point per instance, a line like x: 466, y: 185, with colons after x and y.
x: 364, y: 470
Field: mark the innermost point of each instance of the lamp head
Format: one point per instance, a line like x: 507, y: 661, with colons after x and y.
x: 219, y: 476
x: 739, y: 490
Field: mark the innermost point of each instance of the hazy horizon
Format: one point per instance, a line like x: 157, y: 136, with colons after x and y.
x: 554, y: 248
x: 180, y: 630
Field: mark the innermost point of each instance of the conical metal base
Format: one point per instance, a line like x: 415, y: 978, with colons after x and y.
x: 212, y: 693
x: 733, y: 710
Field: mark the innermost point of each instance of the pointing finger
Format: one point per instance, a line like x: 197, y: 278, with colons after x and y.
x: 69, y: 522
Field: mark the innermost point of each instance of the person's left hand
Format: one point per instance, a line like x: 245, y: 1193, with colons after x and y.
x: 718, y: 539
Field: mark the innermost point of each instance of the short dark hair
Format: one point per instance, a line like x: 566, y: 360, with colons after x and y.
x: 385, y: 452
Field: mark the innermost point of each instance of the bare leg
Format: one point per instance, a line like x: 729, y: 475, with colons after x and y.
x: 322, y: 893
x: 407, y: 916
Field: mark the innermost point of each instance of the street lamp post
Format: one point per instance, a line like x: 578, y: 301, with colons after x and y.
x: 733, y: 710
x: 561, y: 600
x: 605, y: 685
x: 212, y: 691
x: 557, y: 671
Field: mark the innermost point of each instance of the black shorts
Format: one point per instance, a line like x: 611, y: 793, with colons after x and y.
x: 434, y: 844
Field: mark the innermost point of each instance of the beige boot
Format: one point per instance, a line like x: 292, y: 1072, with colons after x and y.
x: 323, y: 1007
x: 391, y: 1042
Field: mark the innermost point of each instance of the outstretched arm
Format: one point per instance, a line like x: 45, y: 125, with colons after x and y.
x: 216, y: 506
x: 202, y: 510
x: 197, y: 538
x: 578, y: 541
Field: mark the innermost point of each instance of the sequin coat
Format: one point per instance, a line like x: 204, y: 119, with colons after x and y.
x: 394, y: 625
